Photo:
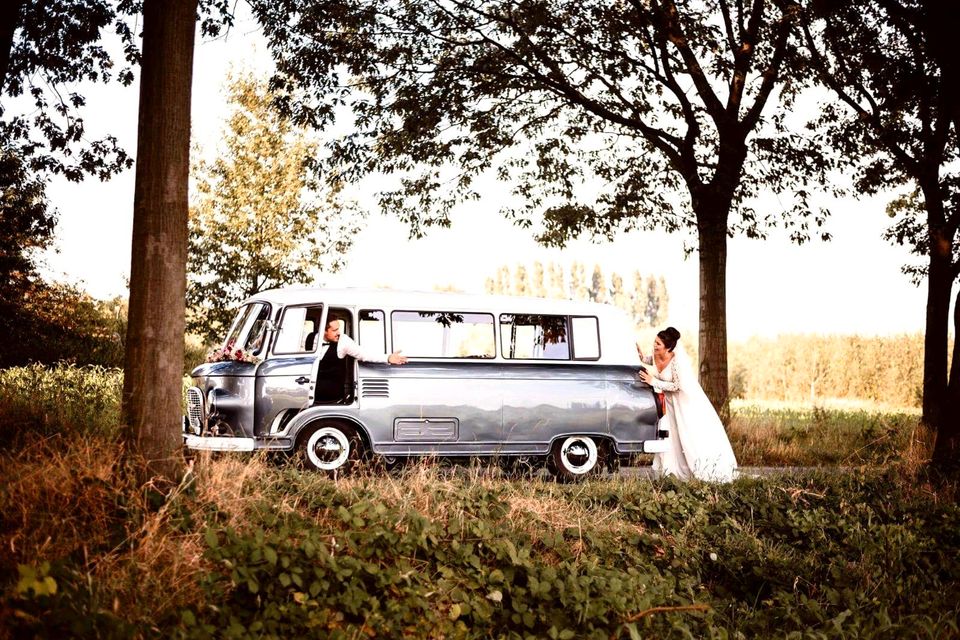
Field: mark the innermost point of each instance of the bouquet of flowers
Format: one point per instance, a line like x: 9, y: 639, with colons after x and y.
x: 228, y: 352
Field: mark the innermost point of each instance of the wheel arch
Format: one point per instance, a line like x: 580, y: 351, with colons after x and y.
x: 602, y: 439
x: 301, y: 426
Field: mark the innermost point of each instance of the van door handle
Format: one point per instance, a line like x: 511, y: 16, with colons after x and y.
x: 302, y: 380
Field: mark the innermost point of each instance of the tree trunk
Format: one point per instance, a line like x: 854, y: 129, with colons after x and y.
x: 712, y: 216
x: 939, y: 286
x: 153, y: 365
x: 939, y: 21
x: 946, y: 450
x: 939, y: 281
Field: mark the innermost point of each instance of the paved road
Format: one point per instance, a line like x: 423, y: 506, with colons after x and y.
x: 752, y: 472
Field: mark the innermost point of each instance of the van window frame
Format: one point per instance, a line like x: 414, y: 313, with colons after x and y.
x: 320, y: 330
x: 573, y: 341
x: 360, y: 312
x: 493, y: 327
x: 566, y: 319
x: 243, y: 325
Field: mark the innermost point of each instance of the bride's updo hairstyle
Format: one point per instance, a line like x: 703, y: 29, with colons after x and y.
x: 669, y: 337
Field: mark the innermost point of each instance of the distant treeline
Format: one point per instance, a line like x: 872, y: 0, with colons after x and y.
x: 64, y: 324
x: 644, y: 298
x: 811, y: 368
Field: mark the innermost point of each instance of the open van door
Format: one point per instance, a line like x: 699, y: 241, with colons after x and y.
x: 284, y: 386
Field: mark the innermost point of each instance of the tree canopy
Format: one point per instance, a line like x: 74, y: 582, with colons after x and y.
x: 603, y: 116
x: 46, y: 50
x: 50, y: 51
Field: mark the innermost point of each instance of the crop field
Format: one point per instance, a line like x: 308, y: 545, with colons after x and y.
x: 255, y: 547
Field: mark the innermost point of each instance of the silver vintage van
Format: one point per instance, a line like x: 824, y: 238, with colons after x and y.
x: 488, y: 376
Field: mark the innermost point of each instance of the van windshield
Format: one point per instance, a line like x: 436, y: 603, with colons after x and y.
x: 248, y: 328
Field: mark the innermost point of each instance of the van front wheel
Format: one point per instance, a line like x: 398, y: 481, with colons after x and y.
x: 575, y: 458
x: 331, y: 448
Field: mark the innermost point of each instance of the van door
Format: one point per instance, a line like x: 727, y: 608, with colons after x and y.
x: 546, y: 391
x: 283, y: 380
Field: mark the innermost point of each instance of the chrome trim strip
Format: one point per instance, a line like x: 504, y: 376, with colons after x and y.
x: 214, y: 443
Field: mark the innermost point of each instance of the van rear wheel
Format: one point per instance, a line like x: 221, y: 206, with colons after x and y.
x: 575, y: 458
x: 331, y: 448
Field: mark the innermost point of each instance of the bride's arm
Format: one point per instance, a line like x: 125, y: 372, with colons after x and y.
x: 644, y: 359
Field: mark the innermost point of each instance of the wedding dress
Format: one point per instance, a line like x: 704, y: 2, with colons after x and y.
x: 700, y: 448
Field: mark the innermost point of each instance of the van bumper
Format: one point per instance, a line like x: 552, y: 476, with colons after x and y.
x: 217, y: 443
x: 656, y: 446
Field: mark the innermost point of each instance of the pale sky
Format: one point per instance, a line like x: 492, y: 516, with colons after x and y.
x: 851, y: 284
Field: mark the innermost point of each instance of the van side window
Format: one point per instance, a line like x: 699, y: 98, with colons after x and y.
x: 373, y: 330
x: 534, y: 337
x: 586, y: 338
x: 443, y: 334
x: 300, y: 330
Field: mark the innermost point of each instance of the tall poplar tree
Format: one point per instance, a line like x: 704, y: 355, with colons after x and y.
x: 258, y: 218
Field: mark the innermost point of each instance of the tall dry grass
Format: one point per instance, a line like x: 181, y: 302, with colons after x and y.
x: 68, y: 502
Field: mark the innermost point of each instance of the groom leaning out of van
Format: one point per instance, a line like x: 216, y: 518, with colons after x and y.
x: 331, y: 372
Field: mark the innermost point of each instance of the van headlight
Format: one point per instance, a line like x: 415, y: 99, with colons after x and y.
x: 212, y: 402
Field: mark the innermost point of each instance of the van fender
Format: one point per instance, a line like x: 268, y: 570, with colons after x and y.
x: 604, y: 438
x: 313, y: 415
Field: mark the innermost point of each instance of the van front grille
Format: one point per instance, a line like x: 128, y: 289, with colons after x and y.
x: 375, y: 388
x: 195, y: 408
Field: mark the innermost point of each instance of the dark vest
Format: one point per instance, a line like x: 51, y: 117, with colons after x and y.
x: 331, y: 375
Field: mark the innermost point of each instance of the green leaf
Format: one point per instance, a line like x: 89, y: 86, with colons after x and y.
x: 270, y: 555
x: 210, y: 536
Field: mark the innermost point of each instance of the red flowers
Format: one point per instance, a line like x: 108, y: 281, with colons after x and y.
x: 227, y: 353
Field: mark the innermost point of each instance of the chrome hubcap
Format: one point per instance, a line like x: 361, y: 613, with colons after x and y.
x: 579, y: 454
x: 328, y: 448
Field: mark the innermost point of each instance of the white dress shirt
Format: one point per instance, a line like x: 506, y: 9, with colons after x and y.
x: 347, y: 346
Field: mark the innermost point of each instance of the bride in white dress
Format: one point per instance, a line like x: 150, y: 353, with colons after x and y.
x: 700, y: 448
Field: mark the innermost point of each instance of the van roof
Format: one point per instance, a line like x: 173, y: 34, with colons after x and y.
x: 442, y: 300
x: 617, y: 328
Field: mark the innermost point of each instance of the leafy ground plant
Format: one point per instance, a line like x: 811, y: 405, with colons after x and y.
x: 246, y: 548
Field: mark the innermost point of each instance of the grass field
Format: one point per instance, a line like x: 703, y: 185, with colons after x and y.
x: 840, y: 433
x: 246, y: 547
